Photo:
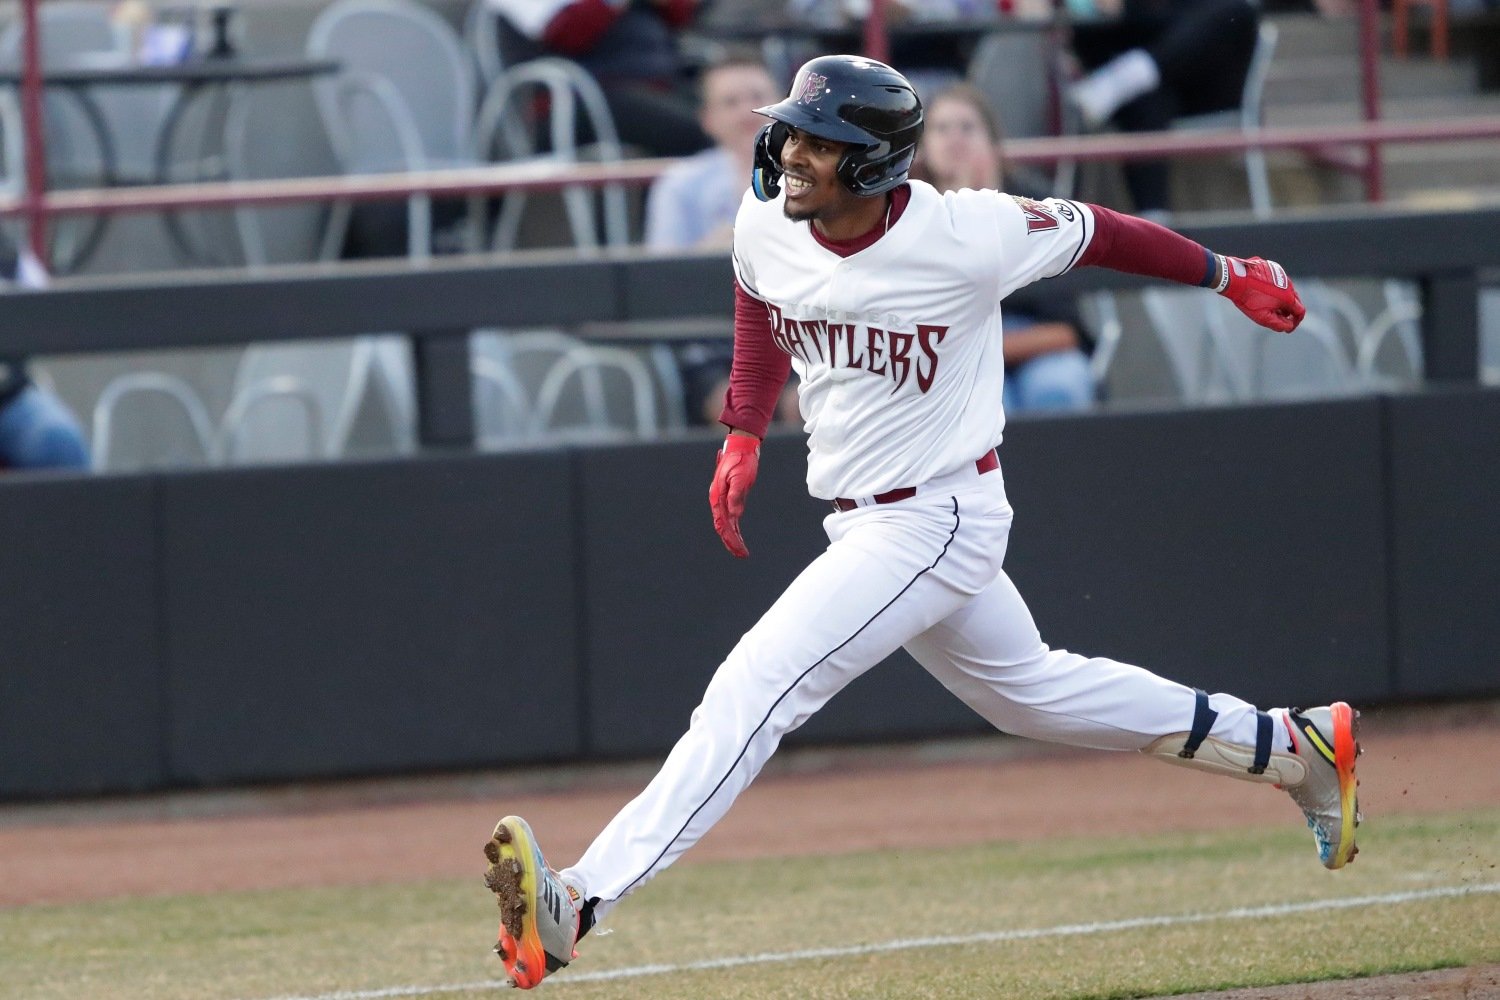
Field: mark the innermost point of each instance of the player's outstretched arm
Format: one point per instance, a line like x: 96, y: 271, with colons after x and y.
x: 1259, y: 288
x: 734, y: 474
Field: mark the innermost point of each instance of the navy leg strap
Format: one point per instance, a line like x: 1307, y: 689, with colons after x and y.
x: 1203, y: 721
x: 1262, y: 743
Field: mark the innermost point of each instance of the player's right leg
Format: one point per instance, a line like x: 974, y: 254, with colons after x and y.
x: 990, y: 654
x: 888, y: 574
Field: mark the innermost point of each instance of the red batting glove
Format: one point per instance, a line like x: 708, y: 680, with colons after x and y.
x: 734, y: 474
x: 1261, y: 290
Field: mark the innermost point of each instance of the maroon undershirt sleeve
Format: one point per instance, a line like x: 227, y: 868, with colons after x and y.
x: 677, y: 13
x: 575, y: 28
x: 1126, y: 243
x: 759, y: 370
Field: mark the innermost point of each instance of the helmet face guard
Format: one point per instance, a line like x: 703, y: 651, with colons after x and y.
x: 845, y: 99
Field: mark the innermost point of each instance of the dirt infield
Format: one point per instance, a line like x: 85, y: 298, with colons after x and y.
x: 808, y: 802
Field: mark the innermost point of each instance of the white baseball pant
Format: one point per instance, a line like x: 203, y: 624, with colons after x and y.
x: 924, y: 573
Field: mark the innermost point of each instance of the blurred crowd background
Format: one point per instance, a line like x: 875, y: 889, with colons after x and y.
x: 147, y: 94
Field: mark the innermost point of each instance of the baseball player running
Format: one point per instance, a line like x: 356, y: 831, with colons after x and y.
x: 885, y: 297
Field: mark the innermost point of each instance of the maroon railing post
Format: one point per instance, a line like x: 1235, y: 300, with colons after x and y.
x: 1369, y: 66
x: 31, y: 123
x: 877, y: 41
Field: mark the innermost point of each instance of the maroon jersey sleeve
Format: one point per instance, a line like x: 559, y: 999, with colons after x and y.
x: 575, y: 28
x: 677, y: 13
x: 758, y: 371
x: 1126, y: 243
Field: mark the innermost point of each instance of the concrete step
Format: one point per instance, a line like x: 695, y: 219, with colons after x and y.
x: 1301, y: 79
x: 1429, y: 173
x: 1395, y: 109
x: 1441, y: 166
x: 1309, y: 35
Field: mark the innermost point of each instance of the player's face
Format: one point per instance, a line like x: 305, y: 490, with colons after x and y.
x: 813, y: 190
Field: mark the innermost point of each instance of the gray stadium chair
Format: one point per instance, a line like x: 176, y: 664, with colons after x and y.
x: 613, y: 386
x: 173, y: 430
x: 1021, y: 74
x: 1248, y: 117
x: 80, y: 144
x: 502, y: 408
x: 1218, y: 355
x: 404, y: 101
x: 547, y: 386
x: 321, y: 399
x: 507, y: 367
x: 570, y: 92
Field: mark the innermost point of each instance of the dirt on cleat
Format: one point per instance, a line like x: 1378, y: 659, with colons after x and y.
x: 504, y: 880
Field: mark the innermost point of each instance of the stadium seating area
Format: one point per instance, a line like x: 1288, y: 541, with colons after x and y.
x: 399, y: 86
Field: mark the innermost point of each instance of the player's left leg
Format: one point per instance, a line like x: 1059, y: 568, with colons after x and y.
x: 990, y: 654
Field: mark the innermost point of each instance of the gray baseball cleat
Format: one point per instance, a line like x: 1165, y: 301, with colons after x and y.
x: 1327, y: 740
x: 539, y: 912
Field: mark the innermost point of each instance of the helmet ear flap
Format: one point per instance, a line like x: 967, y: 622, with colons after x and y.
x: 875, y: 171
x: 765, y: 175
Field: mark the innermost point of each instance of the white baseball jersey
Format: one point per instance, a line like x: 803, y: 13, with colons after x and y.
x: 898, y: 347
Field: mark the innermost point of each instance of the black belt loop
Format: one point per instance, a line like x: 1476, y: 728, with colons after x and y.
x: 1262, y: 743
x: 1203, y: 721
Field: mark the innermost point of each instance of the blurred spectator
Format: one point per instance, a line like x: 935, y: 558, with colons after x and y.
x: 36, y: 430
x: 1151, y: 61
x: 931, y: 59
x: 692, y: 207
x: 1046, y: 367
x: 630, y: 47
x: 693, y: 204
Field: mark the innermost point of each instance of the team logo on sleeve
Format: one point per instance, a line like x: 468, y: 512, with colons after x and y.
x: 1039, y: 218
x: 812, y: 87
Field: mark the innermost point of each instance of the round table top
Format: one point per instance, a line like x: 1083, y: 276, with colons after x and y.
x: 227, y: 70
x: 900, y: 30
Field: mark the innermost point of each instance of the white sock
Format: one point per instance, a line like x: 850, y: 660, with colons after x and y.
x: 1115, y: 84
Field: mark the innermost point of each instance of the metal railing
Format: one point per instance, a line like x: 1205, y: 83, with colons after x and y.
x: 437, y: 303
x: 537, y: 177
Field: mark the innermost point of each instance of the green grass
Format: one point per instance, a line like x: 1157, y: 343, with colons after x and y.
x: 317, y: 941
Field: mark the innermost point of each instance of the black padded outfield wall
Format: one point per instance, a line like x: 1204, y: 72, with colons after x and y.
x: 80, y: 658
x: 665, y: 602
x: 1445, y: 502
x: 1237, y: 549
x: 469, y: 611
x: 345, y: 619
x: 266, y: 624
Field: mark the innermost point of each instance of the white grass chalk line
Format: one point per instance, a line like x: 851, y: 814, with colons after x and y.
x: 942, y: 941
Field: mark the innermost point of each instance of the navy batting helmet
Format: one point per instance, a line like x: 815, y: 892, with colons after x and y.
x: 845, y: 99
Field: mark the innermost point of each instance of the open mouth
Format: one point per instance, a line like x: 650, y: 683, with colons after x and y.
x: 797, y: 186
